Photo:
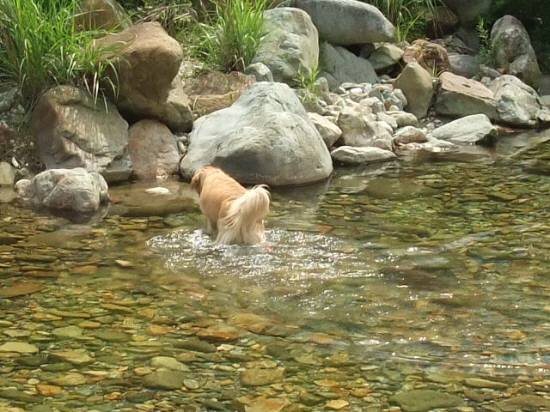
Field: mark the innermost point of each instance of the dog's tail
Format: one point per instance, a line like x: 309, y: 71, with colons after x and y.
x: 244, y: 219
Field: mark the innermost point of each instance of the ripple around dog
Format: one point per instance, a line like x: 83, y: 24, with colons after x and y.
x: 287, y: 256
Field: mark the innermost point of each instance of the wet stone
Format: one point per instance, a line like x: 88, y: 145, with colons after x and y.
x: 111, y: 335
x: 484, y: 383
x: 164, y: 379
x: 421, y: 400
x: 18, y: 347
x: 524, y: 402
x: 70, y: 379
x: 139, y: 397
x: 75, y: 357
x: 260, y: 376
x: 196, y: 345
x: 69, y: 332
x: 20, y: 396
x: 168, y: 363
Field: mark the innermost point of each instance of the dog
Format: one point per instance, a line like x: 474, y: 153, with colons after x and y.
x: 234, y: 214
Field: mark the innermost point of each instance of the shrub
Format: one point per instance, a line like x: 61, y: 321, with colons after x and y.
x: 230, y: 38
x: 408, y: 16
x: 40, y: 46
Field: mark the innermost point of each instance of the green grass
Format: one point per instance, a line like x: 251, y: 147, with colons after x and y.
x: 40, y: 46
x: 408, y: 16
x: 230, y: 38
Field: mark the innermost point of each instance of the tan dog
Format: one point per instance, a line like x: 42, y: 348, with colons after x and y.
x: 234, y: 214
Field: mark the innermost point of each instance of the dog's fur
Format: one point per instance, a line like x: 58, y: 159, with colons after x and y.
x: 233, y: 214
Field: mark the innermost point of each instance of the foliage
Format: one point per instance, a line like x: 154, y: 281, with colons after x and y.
x: 40, y: 46
x: 175, y: 16
x: 408, y: 16
x: 307, y: 82
x: 486, y: 52
x: 230, y: 38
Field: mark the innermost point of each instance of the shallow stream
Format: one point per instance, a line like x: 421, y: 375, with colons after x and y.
x: 415, y: 285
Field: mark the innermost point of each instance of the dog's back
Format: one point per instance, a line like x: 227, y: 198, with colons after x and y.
x: 244, y: 220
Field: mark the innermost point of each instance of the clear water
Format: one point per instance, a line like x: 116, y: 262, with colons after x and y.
x: 383, y: 280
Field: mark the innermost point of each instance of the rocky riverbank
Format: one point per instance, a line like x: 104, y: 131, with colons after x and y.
x: 375, y: 100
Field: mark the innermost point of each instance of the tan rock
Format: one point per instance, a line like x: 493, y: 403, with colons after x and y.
x: 417, y: 85
x: 459, y: 97
x: 431, y: 56
x: 102, y: 14
x: 148, y: 61
x: 153, y: 150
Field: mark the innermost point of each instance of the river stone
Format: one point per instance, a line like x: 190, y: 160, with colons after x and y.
x: 484, y: 383
x: 290, y: 45
x: 347, y: 22
x: 7, y: 174
x: 164, y: 379
x: 70, y: 379
x: 409, y: 134
x: 517, y: 103
x: 263, y: 404
x: 102, y: 15
x: 149, y: 86
x: 359, y: 128
x: 153, y: 150
x: 111, y: 335
x: 474, y: 129
x: 260, y: 71
x: 20, y: 289
x: 68, y: 332
x: 167, y: 362
x: 67, y: 190
x: 261, y: 376
x: 403, y: 118
x: 72, y: 130
x: 342, y: 66
x: 421, y: 400
x: 464, y: 64
x: 459, y: 97
x: 75, y: 357
x: 18, y: 347
x: 361, y: 155
x: 267, y: 138
x: 20, y: 396
x: 385, y: 57
x: 513, y: 52
x: 417, y: 85
x: 327, y: 129
x: 524, y: 402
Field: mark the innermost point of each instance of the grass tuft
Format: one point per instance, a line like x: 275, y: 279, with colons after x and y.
x: 230, y: 38
x: 40, y: 47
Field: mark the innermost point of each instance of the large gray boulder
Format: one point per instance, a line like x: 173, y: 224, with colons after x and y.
x: 290, y: 45
x: 517, y: 103
x: 74, y: 191
x: 264, y: 137
x: 474, y: 129
x: 148, y: 61
x: 347, y: 22
x: 513, y: 51
x: 153, y: 150
x: 417, y: 85
x: 342, y: 66
x: 459, y: 97
x: 73, y: 130
x: 7, y: 174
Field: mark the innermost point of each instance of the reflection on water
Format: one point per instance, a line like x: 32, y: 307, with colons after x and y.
x: 409, y: 276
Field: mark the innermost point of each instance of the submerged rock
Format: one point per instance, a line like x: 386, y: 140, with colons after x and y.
x: 290, y: 45
x: 421, y: 400
x: 266, y: 137
x: 347, y: 22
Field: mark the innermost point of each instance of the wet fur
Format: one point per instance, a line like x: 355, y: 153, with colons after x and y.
x: 233, y: 213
